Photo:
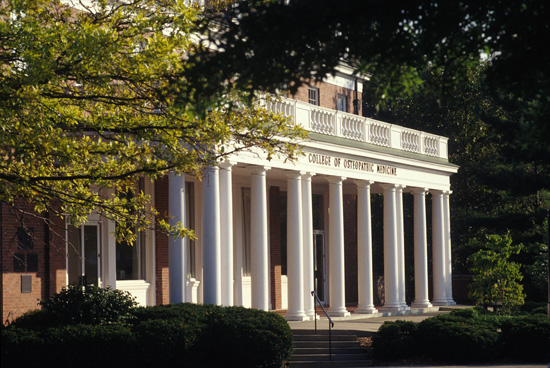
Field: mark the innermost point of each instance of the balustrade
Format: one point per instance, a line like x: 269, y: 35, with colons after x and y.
x: 337, y: 123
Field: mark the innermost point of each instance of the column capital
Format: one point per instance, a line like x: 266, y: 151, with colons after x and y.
x: 307, y: 175
x: 387, y: 186
x: 441, y: 191
x: 291, y: 174
x: 436, y: 192
x: 417, y: 191
x: 336, y: 179
x: 363, y: 183
x: 259, y: 170
x: 227, y: 164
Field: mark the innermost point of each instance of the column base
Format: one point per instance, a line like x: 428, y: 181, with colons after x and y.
x: 311, y: 315
x: 421, y: 304
x: 366, y: 310
x: 339, y: 313
x: 440, y: 302
x: 392, y: 308
x: 296, y: 316
x: 451, y: 302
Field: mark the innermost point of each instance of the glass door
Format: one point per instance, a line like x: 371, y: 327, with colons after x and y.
x: 83, y: 255
x: 319, y: 267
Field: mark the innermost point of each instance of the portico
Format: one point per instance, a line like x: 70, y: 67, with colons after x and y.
x: 238, y: 221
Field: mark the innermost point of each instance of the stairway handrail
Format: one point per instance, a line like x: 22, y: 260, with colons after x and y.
x: 330, y: 325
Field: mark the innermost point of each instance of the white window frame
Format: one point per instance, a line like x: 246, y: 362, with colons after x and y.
x: 313, y: 95
x: 342, y: 102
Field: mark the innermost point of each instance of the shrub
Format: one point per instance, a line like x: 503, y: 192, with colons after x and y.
x: 76, y: 305
x: 532, y: 307
x: 527, y: 338
x: 496, y: 278
x: 472, y: 335
x: 449, y: 340
x: 167, y: 336
x: 396, y: 340
x: 88, y: 346
x: 240, y: 336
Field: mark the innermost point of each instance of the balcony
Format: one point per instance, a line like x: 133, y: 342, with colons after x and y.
x: 358, y: 128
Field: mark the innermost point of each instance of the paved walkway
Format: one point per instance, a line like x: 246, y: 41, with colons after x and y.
x: 366, y: 325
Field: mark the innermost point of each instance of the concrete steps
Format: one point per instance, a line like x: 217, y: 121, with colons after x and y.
x: 312, y: 350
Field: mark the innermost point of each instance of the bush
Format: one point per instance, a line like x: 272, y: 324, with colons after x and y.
x: 497, y: 280
x: 396, y: 340
x: 472, y: 335
x: 532, y: 307
x: 527, y: 339
x: 240, y: 336
x: 167, y: 336
x: 455, y: 341
x: 85, y: 345
x: 75, y: 305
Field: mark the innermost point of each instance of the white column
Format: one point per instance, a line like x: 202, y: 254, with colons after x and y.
x: 211, y: 240
x: 307, y: 211
x: 226, y: 218
x: 295, y: 248
x: 420, y: 250
x: 438, y: 249
x: 336, y: 246
x: 400, y: 246
x: 448, y: 254
x: 259, y: 250
x: 391, y: 281
x: 177, y: 260
x: 364, y: 249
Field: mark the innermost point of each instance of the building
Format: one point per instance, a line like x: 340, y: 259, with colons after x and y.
x: 268, y: 232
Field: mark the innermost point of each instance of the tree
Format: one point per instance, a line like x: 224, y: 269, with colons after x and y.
x: 95, y: 94
x: 496, y: 278
x: 392, y: 41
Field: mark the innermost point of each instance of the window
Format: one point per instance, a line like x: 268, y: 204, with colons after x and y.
x: 83, y: 245
x: 313, y: 94
x: 284, y: 264
x: 25, y: 259
x: 246, y: 222
x: 318, y: 208
x: 130, y: 258
x: 190, y: 217
x: 342, y: 103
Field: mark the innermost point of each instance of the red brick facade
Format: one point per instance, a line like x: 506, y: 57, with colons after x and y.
x: 40, y: 261
x: 275, y: 247
x: 350, y: 247
x: 161, y: 244
x: 328, y: 96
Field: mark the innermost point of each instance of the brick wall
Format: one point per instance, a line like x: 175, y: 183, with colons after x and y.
x: 350, y: 247
x: 161, y: 244
x: 275, y: 247
x: 328, y: 96
x: 46, y: 245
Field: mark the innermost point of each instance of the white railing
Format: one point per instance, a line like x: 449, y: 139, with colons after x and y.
x: 337, y: 123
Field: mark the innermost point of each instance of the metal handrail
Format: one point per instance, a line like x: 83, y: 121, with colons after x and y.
x: 330, y: 325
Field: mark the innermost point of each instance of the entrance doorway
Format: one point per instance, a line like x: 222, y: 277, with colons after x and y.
x: 83, y: 262
x: 319, y: 266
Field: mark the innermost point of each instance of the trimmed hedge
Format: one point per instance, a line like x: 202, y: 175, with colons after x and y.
x: 466, y: 336
x: 396, y: 340
x: 175, y: 335
x: 76, y: 305
x: 527, y: 338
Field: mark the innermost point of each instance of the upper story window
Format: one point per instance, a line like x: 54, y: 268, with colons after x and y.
x: 313, y: 94
x: 342, y: 103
